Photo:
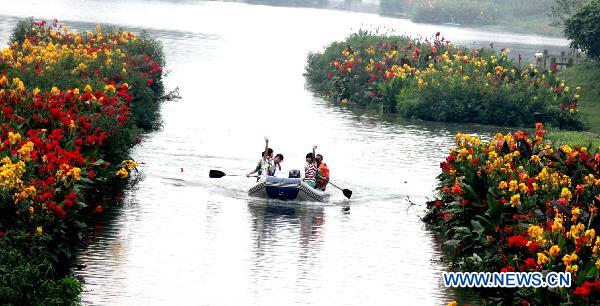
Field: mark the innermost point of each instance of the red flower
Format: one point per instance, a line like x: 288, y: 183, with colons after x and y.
x: 149, y: 82
x: 507, y: 269
x: 530, y: 263
x: 517, y: 241
x: 2, y: 233
x: 533, y: 246
x: 330, y: 75
x: 583, y: 290
x: 456, y: 189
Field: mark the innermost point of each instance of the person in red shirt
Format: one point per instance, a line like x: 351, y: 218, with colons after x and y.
x: 322, y: 174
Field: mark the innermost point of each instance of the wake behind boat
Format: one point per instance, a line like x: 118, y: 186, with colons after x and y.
x: 286, y: 189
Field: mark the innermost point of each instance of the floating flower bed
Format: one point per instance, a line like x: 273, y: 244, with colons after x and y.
x: 72, y: 104
x: 517, y: 203
x: 431, y: 79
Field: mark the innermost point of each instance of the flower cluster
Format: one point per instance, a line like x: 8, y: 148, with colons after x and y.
x: 433, y: 80
x: 66, y: 120
x: 523, y: 204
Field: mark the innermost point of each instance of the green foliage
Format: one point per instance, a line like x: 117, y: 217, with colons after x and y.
x: 22, y: 28
x: 38, y: 246
x: 587, y: 77
x: 455, y: 11
x: 518, y: 203
x: 431, y: 79
x: 297, y: 3
x: 392, y: 7
x: 29, y: 276
x: 583, y: 29
x: 573, y: 139
x: 563, y: 9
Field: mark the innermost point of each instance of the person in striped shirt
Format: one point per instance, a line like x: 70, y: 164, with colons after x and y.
x: 310, y: 170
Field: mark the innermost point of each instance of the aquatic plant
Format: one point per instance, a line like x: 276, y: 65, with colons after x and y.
x: 432, y: 79
x: 519, y: 203
x: 72, y: 104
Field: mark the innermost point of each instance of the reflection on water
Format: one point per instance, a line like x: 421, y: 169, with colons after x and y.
x: 183, y: 238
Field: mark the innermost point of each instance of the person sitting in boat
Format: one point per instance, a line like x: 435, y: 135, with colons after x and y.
x: 310, y: 170
x: 267, y: 165
x: 322, y: 173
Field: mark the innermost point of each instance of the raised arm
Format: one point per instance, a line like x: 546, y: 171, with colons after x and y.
x: 266, y: 153
x: 314, y: 155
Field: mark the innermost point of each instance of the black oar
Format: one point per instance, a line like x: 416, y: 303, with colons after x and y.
x: 346, y: 192
x: 220, y: 174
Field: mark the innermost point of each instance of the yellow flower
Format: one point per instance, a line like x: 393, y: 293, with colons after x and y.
x: 513, y: 185
x: 39, y: 230
x: 122, y: 173
x: 13, y: 138
x: 344, y: 101
x: 573, y: 268
x: 568, y: 259
x: 88, y: 88
x: 590, y: 234
x: 554, y: 250
x: 109, y: 88
x: 566, y: 193
x: 557, y: 224
x: 515, y: 200
x: 453, y: 303
x: 542, y: 259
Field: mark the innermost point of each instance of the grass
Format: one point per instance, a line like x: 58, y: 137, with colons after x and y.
x: 539, y: 24
x: 587, y: 76
x: 583, y: 139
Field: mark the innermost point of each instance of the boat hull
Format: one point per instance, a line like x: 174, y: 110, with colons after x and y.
x: 286, y: 189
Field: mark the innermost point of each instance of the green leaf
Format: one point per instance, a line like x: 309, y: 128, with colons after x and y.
x: 98, y: 162
x: 485, y: 222
x: 477, y: 227
x: 450, y: 245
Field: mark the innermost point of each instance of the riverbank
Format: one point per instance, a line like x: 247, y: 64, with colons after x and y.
x: 514, y: 17
x: 73, y: 104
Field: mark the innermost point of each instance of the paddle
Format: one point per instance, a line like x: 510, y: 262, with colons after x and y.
x: 220, y: 174
x: 346, y: 192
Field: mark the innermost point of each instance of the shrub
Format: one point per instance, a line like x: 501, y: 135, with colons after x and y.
x: 455, y: 11
x: 72, y: 105
x: 431, y: 79
x: 517, y: 203
x: 583, y: 29
x: 393, y: 7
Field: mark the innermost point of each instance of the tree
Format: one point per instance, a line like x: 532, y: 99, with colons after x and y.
x: 563, y: 9
x: 392, y: 7
x: 583, y: 28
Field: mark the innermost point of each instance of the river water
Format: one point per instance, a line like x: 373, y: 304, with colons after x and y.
x: 181, y: 238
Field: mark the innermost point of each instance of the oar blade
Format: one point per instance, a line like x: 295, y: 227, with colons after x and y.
x: 216, y: 174
x: 347, y: 193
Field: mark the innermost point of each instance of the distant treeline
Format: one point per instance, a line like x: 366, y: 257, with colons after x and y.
x: 301, y: 3
x: 482, y: 12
